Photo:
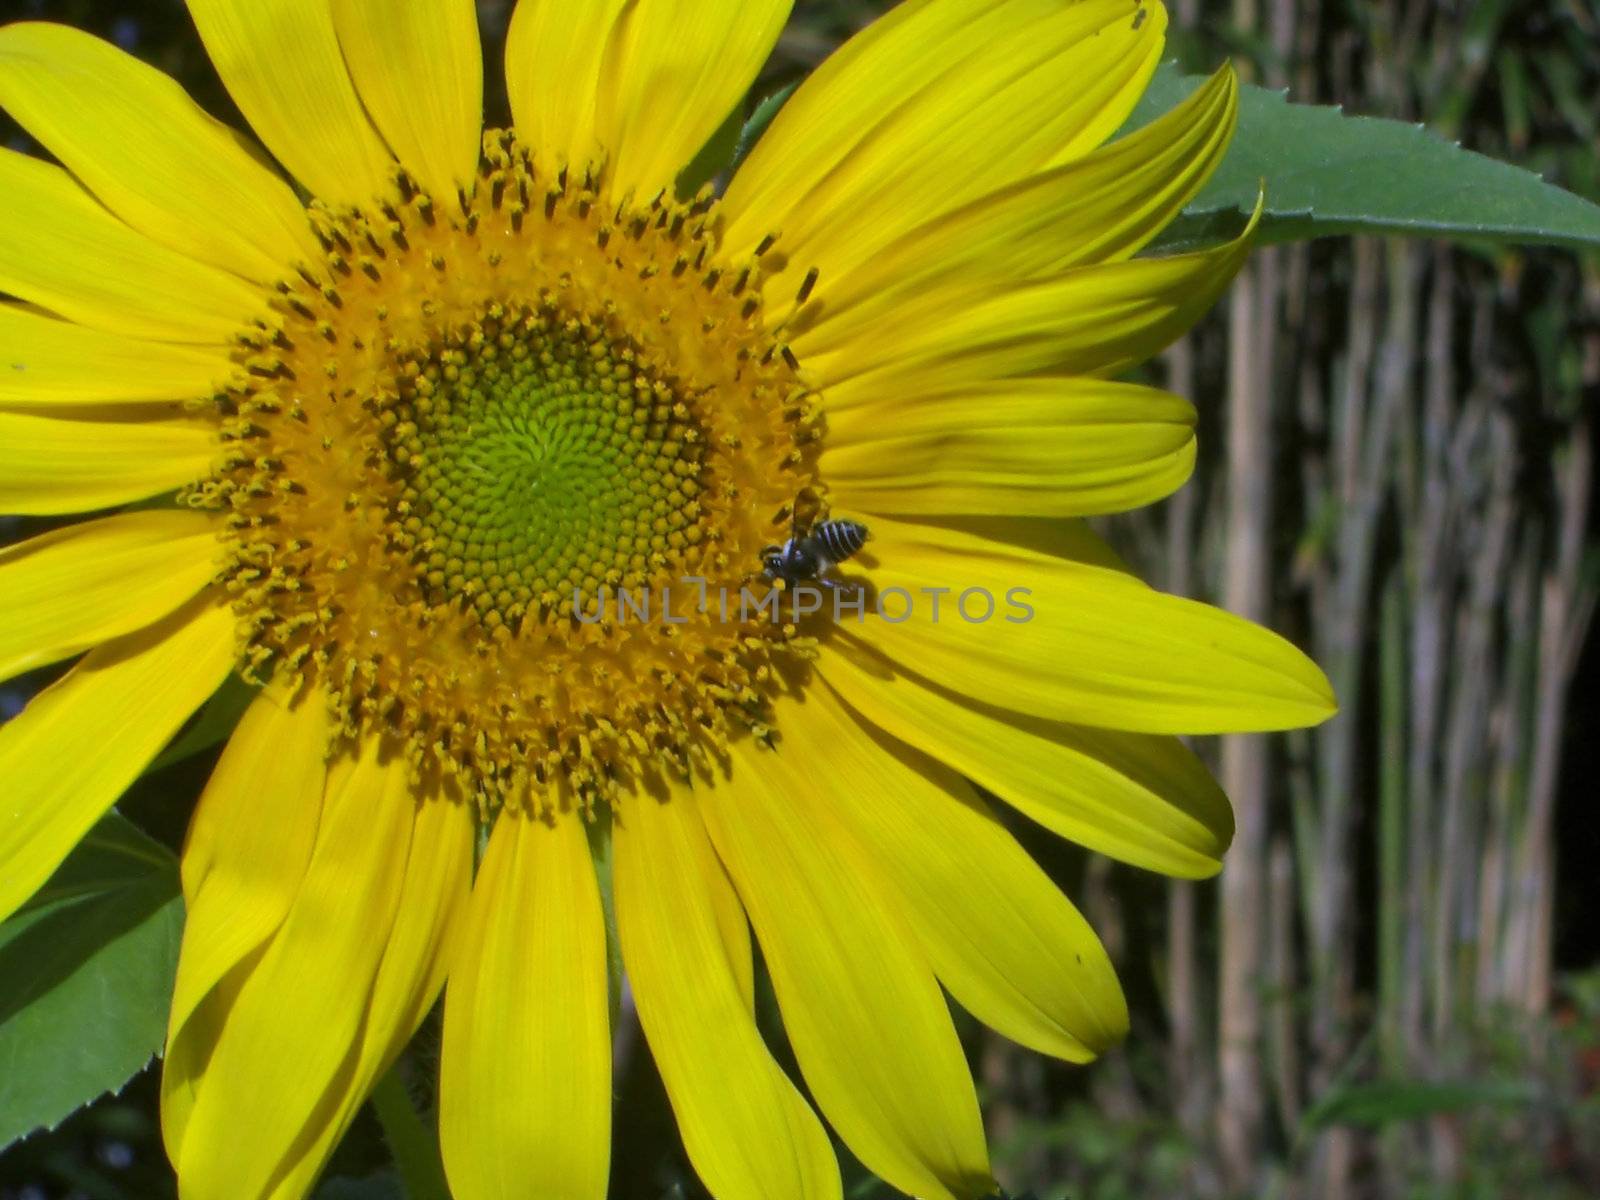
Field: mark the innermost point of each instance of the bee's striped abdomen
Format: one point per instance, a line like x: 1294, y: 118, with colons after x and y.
x: 840, y: 539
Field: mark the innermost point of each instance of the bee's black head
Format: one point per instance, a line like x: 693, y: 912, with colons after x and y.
x: 772, y: 561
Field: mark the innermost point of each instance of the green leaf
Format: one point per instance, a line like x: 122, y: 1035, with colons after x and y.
x: 1327, y: 173
x: 758, y: 122
x: 86, y: 974
x: 714, y: 156
x: 1387, y: 1101
x: 731, y: 144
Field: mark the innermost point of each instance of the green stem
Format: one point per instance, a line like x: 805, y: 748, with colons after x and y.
x: 412, y: 1144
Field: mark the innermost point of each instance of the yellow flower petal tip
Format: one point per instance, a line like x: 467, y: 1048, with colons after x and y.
x: 513, y: 478
x: 1307, y: 697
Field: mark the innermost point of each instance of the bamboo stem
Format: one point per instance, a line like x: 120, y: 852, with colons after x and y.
x: 1247, y: 592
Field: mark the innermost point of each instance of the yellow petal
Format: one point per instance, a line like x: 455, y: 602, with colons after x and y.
x: 76, y: 587
x: 553, y: 64
x: 643, y: 86
x: 150, y: 154
x: 1095, y: 320
x: 45, y: 362
x: 430, y: 916
x: 78, y: 744
x: 250, y: 841
x: 672, y: 72
x: 61, y: 250
x: 54, y: 465
x: 864, y: 1014
x: 434, y: 901
x: 929, y: 107
x: 734, y: 927
x: 1062, y: 538
x: 525, y: 1074
x: 748, y: 1131
x: 1069, y: 641
x: 1047, y: 447
x: 285, y: 1046
x: 1006, y: 943
x: 241, y: 902
x: 419, y: 70
x: 1141, y: 799
x: 1103, y: 207
x: 189, y: 1050
x: 281, y: 62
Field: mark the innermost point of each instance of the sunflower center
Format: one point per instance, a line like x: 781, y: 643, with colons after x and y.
x: 540, y: 460
x: 475, y: 423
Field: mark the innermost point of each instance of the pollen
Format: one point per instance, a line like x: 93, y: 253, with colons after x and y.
x: 493, y: 468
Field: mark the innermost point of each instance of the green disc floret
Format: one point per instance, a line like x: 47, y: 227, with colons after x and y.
x: 540, y: 459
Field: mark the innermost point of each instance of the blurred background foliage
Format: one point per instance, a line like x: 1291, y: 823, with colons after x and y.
x: 1394, y: 989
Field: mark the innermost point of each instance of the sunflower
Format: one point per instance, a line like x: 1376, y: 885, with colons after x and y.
x: 410, y: 434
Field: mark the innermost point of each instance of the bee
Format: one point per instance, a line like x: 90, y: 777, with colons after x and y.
x: 807, y: 557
